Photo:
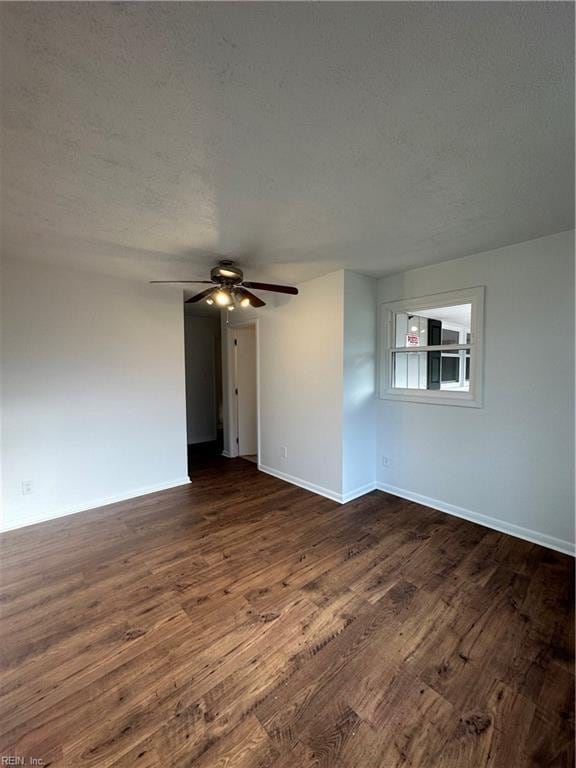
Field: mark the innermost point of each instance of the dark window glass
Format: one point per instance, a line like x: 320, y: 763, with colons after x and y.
x: 449, y: 337
x: 450, y: 368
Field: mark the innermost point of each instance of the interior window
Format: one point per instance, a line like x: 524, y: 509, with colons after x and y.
x: 441, y: 368
x: 431, y: 348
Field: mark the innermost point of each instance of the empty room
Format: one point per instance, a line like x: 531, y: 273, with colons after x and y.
x: 287, y: 384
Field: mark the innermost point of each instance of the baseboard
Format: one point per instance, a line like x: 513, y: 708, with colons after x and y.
x: 341, y: 498
x: 357, y: 492
x: 535, y: 537
x: 103, y: 502
x: 321, y: 491
x: 227, y: 454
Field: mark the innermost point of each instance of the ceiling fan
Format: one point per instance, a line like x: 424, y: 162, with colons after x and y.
x: 230, y: 289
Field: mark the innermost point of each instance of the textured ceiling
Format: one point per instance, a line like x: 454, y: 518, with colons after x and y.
x: 149, y: 138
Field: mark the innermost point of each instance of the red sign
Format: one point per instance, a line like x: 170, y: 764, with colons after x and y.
x: 412, y: 340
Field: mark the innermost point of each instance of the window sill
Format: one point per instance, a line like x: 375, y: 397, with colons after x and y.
x: 459, y: 399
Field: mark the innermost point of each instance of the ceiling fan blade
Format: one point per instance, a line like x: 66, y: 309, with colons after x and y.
x: 254, y: 300
x: 206, y: 282
x: 271, y: 287
x: 200, y: 296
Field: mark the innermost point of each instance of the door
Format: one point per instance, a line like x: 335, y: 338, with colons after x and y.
x: 246, y: 395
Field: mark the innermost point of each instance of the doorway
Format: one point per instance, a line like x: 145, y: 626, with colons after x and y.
x: 245, y: 389
x: 203, y: 374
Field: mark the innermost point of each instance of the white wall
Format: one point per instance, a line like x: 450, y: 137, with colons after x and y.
x: 201, y: 335
x: 513, y: 459
x: 317, y: 384
x: 300, y: 354
x: 93, y: 402
x: 359, y: 335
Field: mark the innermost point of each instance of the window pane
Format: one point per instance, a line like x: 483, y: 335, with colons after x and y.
x: 431, y: 370
x: 410, y: 370
x: 411, y: 330
x: 450, y: 368
x: 430, y: 327
x: 453, y: 371
x: 450, y: 336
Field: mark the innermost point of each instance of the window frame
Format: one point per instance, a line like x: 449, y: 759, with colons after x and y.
x: 471, y: 399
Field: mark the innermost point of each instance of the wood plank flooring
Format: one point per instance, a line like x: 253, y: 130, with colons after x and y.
x: 241, y: 622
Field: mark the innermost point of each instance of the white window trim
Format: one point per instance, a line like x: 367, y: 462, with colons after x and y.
x: 471, y: 399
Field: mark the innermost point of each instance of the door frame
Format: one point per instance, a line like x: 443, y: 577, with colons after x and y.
x: 231, y: 428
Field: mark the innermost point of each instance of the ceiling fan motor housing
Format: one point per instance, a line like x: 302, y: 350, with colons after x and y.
x: 226, y: 273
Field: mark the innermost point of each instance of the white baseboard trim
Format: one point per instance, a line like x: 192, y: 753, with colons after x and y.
x: 326, y: 492
x: 357, y: 492
x: 535, y: 537
x: 103, y: 502
x: 227, y: 454
x: 341, y: 498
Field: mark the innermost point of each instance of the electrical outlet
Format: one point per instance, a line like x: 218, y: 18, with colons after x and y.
x: 385, y: 461
x: 26, y: 487
x: 284, y: 452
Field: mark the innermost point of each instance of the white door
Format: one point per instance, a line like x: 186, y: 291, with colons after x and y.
x: 245, y: 349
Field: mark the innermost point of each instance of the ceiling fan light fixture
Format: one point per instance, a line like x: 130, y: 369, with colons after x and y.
x: 230, y: 307
x: 229, y: 289
x: 223, y: 298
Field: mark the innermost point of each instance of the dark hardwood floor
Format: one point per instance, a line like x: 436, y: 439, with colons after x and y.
x: 243, y: 622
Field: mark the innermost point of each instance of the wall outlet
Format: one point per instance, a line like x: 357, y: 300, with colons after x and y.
x: 26, y: 487
x: 284, y: 452
x: 385, y: 461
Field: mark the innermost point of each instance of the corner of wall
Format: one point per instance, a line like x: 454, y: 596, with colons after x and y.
x: 359, y: 385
